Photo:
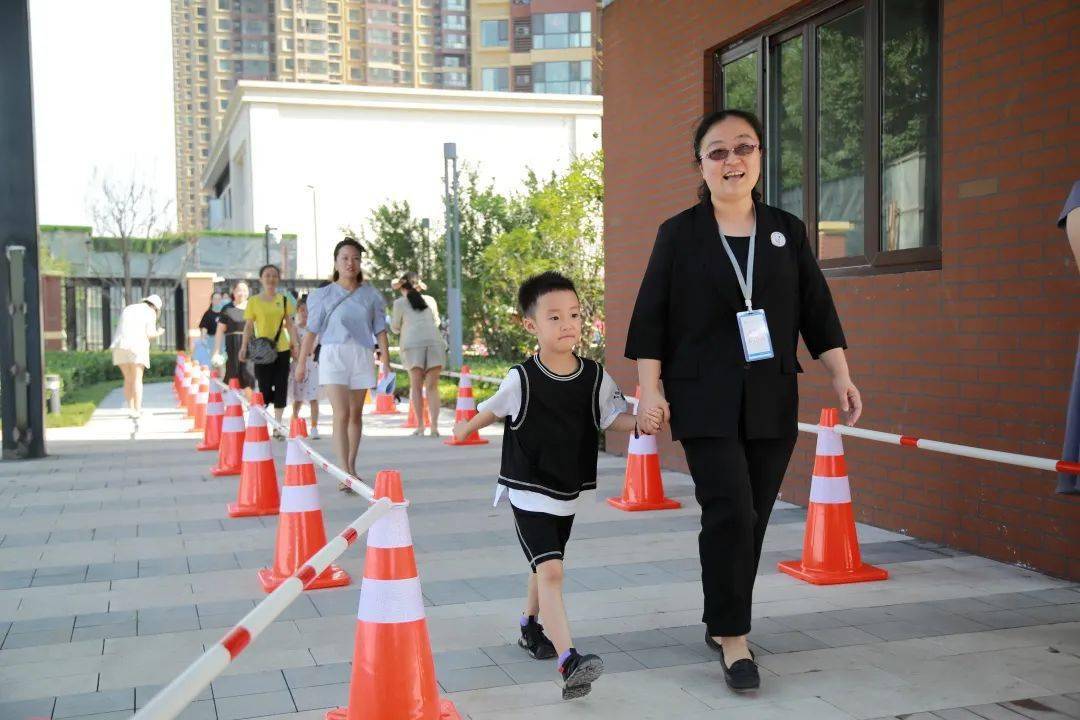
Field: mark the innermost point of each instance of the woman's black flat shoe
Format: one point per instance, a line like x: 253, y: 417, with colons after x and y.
x: 742, y: 675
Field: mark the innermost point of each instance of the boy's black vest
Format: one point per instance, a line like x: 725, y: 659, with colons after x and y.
x: 550, y: 445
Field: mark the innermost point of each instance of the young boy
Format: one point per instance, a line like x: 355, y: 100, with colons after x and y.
x: 555, y: 404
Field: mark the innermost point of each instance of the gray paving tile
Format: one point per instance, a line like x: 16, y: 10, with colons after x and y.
x: 672, y: 656
x: 144, y: 693
x: 499, y: 588
x: 94, y: 703
x: 321, y: 696
x: 474, y: 679
x: 207, y: 622
x: 190, y: 527
x: 336, y: 602
x: 65, y: 536
x: 99, y: 632
x: 963, y: 606
x: 842, y: 637
x: 53, y: 623
x: 201, y: 710
x: 25, y: 539
x: 42, y: 708
x: 301, y: 609
x: 995, y: 712
x: 956, y: 714
x: 596, y: 578
x: 249, y: 684
x: 105, y: 618
x: 640, y: 640
x: 116, y: 531
x: 616, y: 662
x: 1055, y: 613
x: 249, y: 706
x: 113, y: 571
x: 532, y: 672
x: 254, y: 559
x: 687, y: 634
x: 472, y: 657
x: 1051, y: 707
x: 163, y: 566
x: 642, y: 573
x: 240, y: 607
x: 899, y: 630
x: 451, y: 592
x: 1003, y: 619
x: 209, y: 563
x: 322, y: 675
x: 15, y: 579
x: 50, y: 580
x: 811, y: 621
x: 502, y: 655
x: 785, y: 642
x: 158, y: 529
x: 859, y: 616
x: 1013, y: 601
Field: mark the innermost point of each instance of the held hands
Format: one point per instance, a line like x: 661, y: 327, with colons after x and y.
x: 850, y: 399
x: 653, y: 411
x: 301, y: 372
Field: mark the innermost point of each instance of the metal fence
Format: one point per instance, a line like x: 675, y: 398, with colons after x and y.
x: 92, y: 308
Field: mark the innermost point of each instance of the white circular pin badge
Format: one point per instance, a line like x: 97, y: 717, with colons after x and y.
x: 778, y: 239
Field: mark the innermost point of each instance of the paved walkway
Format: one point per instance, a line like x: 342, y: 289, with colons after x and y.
x: 118, y: 565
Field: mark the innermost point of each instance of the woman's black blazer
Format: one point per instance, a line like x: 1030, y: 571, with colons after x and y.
x: 685, y: 318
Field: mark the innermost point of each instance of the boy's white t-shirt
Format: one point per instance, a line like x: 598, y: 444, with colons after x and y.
x: 506, y: 402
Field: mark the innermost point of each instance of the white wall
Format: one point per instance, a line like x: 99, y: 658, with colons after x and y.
x: 361, y: 157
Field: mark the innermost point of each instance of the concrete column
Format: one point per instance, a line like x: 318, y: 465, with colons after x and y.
x: 198, y: 287
x: 52, y: 312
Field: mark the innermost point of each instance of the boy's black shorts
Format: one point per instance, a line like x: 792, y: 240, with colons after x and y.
x: 542, y: 536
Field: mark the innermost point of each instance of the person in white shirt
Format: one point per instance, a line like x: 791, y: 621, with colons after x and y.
x: 131, y: 347
x: 423, y: 352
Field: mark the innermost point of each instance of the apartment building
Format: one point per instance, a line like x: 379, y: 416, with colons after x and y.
x: 398, y: 43
x: 541, y: 46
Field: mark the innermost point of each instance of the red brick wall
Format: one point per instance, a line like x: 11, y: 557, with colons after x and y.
x: 979, y: 352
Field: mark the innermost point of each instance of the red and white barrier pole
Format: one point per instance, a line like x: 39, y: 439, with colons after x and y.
x: 176, y: 696
x: 1028, y: 461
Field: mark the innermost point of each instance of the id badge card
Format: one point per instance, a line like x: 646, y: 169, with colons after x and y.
x: 754, y: 332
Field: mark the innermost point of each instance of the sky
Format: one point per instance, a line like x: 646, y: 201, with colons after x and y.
x: 102, y: 101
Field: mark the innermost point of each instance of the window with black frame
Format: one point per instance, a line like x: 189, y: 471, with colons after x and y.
x: 850, y: 96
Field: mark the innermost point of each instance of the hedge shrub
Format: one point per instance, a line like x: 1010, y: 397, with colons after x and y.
x: 84, y: 368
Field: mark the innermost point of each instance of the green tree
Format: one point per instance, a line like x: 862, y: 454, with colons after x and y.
x: 399, y: 243
x: 559, y: 227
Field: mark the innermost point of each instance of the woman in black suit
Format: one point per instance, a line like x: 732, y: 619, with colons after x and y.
x: 734, y: 408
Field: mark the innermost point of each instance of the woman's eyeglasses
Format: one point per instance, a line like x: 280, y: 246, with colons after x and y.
x: 721, y: 154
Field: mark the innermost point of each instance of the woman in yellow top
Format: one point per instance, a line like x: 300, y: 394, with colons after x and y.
x: 268, y: 315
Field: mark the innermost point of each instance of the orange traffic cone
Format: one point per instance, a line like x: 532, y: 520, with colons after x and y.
x: 643, y: 486
x: 231, y: 448
x: 258, y: 492
x: 465, y: 410
x: 202, y: 398
x: 301, y: 532
x: 185, y: 386
x: 425, y: 417
x: 391, y: 628
x: 178, y: 374
x: 215, y: 412
x: 193, y: 391
x: 830, y: 546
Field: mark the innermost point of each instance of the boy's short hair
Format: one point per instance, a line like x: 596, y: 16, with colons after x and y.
x: 538, y: 285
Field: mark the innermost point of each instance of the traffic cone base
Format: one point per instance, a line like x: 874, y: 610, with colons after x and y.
x: 830, y: 553
x: 473, y: 439
x: 447, y: 711
x: 385, y: 405
x: 465, y: 410
x: 332, y: 577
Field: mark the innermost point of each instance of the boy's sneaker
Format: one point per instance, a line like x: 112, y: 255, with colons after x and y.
x: 314, y: 433
x: 535, y: 641
x: 578, y: 674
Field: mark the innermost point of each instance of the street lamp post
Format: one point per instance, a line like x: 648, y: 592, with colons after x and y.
x: 453, y: 252
x: 425, y: 246
x: 315, y: 224
x: 270, y: 233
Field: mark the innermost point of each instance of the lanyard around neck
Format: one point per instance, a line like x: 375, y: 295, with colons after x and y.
x: 746, y: 282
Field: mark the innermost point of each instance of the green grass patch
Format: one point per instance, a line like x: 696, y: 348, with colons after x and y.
x: 78, y: 405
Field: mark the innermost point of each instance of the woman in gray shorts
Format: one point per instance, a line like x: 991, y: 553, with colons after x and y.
x: 415, y: 318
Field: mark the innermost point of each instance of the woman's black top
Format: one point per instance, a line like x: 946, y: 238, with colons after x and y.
x: 685, y: 318
x: 209, y: 322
